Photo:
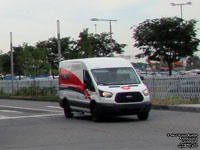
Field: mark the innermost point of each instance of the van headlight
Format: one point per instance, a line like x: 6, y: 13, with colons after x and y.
x: 146, y: 92
x: 105, y: 94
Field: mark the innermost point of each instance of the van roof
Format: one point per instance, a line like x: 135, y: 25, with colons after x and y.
x: 102, y: 62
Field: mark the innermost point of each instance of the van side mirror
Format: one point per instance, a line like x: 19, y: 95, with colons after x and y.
x: 86, y: 85
x: 87, y: 81
x: 142, y: 78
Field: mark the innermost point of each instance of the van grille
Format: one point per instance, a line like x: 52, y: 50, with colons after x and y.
x: 129, y: 97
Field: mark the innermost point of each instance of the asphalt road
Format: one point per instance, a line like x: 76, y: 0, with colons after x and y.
x: 28, y: 125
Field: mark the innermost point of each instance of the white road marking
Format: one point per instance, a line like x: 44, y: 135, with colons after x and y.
x: 26, y: 108
x: 32, y: 116
x: 56, y: 113
x: 1, y: 117
x: 56, y: 107
x: 10, y: 111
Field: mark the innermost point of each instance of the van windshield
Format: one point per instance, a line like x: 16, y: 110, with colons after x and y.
x: 115, y: 76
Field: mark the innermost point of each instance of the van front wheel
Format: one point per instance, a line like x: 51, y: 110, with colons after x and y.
x: 67, y: 111
x: 143, y: 116
x: 95, y: 114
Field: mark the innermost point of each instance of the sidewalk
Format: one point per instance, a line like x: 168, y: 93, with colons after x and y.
x: 183, y: 107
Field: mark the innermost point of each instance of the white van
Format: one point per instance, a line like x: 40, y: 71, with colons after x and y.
x: 102, y: 86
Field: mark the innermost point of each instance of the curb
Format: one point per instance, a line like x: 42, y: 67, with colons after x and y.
x: 176, y: 108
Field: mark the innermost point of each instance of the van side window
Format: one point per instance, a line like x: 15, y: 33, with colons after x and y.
x: 88, y: 81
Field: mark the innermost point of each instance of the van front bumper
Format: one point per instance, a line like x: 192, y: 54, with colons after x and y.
x: 123, y: 109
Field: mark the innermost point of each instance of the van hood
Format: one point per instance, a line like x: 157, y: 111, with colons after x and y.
x: 122, y: 88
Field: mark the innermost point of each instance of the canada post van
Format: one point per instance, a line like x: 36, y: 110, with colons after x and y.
x: 102, y: 86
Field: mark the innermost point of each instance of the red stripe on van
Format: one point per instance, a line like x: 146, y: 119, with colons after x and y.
x: 68, y: 79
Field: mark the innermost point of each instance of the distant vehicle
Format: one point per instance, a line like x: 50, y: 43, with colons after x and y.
x: 1, y: 76
x: 195, y: 72
x: 20, y: 78
x: 8, y: 77
x: 52, y: 77
x: 102, y: 86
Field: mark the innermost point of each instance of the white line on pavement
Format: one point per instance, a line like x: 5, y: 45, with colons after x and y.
x: 32, y: 116
x: 57, y: 107
x: 10, y: 111
x: 1, y: 117
x: 26, y: 108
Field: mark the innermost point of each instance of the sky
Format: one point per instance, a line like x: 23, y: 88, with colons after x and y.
x: 31, y: 21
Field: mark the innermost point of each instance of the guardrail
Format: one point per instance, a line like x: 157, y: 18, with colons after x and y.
x: 181, y: 87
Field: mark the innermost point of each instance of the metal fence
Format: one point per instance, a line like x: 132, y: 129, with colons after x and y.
x: 181, y: 87
x: 6, y: 86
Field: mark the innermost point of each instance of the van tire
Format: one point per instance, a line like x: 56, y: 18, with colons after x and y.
x: 67, y: 111
x: 143, y: 116
x: 95, y: 114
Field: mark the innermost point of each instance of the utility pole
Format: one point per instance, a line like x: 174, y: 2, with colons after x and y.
x: 59, y: 45
x: 12, y: 67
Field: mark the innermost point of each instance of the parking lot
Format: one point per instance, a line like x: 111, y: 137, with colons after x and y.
x: 30, y: 125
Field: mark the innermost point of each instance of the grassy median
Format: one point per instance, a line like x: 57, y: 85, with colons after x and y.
x: 46, y: 93
x: 174, y: 101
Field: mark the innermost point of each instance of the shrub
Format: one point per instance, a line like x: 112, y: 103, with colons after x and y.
x: 37, y: 91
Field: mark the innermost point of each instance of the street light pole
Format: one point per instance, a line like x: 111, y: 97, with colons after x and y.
x: 181, y: 6
x: 110, y: 27
x: 95, y: 28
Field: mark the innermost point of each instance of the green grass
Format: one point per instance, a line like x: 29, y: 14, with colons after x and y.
x: 48, y: 93
x: 174, y: 101
x: 2, y: 94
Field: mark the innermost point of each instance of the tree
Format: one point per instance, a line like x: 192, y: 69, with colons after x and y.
x: 19, y: 59
x: 30, y: 60
x: 102, y: 47
x: 193, y: 63
x: 84, y: 45
x: 88, y: 45
x: 97, y: 45
x: 51, y: 48
x: 167, y: 39
x: 5, y: 66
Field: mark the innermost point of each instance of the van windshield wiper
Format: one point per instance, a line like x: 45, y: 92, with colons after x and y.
x: 101, y: 84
